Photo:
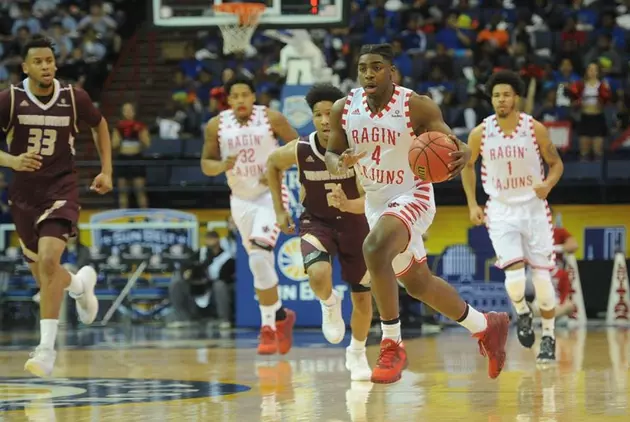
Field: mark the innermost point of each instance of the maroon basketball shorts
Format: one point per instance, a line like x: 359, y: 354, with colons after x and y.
x: 54, y: 218
x: 342, y: 238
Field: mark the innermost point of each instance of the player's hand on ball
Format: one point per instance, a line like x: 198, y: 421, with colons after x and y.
x: 29, y: 161
x: 263, y: 179
x: 349, y: 158
x: 460, y: 158
x: 542, y: 190
x: 102, y: 184
x: 337, y: 198
x: 229, y: 162
x: 477, y: 216
x: 285, y: 222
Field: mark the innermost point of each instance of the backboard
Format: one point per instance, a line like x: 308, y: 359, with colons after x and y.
x: 279, y: 14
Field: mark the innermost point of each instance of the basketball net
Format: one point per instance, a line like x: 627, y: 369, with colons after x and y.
x: 237, y: 34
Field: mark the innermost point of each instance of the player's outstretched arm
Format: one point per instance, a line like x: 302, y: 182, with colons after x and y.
x: 469, y: 178
x: 280, y: 160
x: 281, y: 126
x: 211, y: 164
x: 552, y: 158
x: 426, y: 116
x: 338, y: 147
x: 338, y: 199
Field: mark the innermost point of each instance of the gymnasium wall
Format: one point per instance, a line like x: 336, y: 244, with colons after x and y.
x: 451, y: 223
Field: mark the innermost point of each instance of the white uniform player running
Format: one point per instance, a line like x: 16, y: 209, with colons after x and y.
x: 373, y: 128
x: 238, y: 142
x: 512, y: 146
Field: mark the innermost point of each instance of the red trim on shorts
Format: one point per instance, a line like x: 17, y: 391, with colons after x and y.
x: 405, y: 222
x: 269, y: 242
x: 510, y: 262
x: 413, y: 260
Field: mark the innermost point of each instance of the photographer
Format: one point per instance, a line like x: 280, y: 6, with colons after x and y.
x: 205, y: 288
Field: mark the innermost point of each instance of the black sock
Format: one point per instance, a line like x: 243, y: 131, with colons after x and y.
x: 391, y: 321
x: 464, y: 315
x: 281, y: 314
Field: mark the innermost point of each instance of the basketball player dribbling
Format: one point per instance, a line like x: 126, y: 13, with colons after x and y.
x: 512, y: 146
x: 40, y: 116
x: 238, y: 142
x: 333, y: 223
x: 373, y: 128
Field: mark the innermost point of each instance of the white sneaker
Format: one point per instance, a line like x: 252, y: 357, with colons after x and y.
x: 333, y: 325
x: 357, y: 364
x: 87, y: 303
x: 41, y: 362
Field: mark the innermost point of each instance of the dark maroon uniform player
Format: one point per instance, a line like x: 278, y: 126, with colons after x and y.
x: 40, y: 117
x: 332, y: 224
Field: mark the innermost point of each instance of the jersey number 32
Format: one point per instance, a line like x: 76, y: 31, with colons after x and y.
x: 42, y: 142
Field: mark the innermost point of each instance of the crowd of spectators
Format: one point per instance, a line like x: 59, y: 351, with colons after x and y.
x: 571, y: 53
x: 84, y: 32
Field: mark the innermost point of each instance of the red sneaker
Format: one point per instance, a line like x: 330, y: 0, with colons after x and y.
x: 268, y: 341
x: 492, y: 341
x: 284, y: 330
x: 390, y: 363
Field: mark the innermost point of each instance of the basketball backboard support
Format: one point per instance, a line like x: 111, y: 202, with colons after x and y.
x: 304, y: 14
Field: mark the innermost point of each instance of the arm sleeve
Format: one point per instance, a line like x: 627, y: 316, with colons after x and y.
x: 85, y: 108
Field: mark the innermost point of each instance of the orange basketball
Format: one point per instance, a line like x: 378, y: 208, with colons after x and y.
x: 429, y: 156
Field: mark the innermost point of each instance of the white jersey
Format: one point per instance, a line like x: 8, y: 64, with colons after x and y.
x: 253, y: 143
x: 510, y: 165
x: 384, y: 172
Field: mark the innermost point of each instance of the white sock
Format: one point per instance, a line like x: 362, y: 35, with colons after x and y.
x: 391, y: 331
x: 357, y: 345
x: 76, y: 285
x: 332, y: 300
x: 268, y: 315
x: 475, y: 321
x: 548, y: 327
x: 48, y: 333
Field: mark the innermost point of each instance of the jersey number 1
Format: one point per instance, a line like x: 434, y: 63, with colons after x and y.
x: 42, y: 142
x: 509, y: 163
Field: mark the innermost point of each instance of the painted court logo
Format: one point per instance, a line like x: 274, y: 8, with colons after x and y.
x: 290, y: 260
x: 16, y: 393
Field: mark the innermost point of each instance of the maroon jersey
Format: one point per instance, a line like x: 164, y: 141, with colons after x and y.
x: 317, y: 181
x: 47, y: 126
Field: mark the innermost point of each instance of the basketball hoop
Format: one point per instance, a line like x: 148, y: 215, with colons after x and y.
x: 236, y: 35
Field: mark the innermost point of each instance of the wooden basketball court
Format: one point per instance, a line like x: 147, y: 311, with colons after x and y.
x: 154, y: 374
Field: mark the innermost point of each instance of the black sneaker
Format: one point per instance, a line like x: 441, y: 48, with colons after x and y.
x: 547, y: 352
x: 525, y: 331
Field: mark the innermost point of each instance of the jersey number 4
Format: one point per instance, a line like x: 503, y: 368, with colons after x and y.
x: 376, y: 155
x: 42, y: 142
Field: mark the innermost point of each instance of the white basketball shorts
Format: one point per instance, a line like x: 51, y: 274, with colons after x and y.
x: 416, y: 214
x: 521, y: 232
x: 256, y: 219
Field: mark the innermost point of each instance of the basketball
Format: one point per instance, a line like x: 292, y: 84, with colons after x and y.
x: 429, y: 156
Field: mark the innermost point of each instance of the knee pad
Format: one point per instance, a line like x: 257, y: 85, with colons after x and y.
x: 515, y: 284
x: 545, y: 292
x: 315, y: 256
x: 261, y: 263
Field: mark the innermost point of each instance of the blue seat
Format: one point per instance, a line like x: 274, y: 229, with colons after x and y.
x: 583, y: 171
x: 192, y: 148
x: 618, y: 169
x: 157, y: 176
x: 164, y: 148
x: 188, y: 176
